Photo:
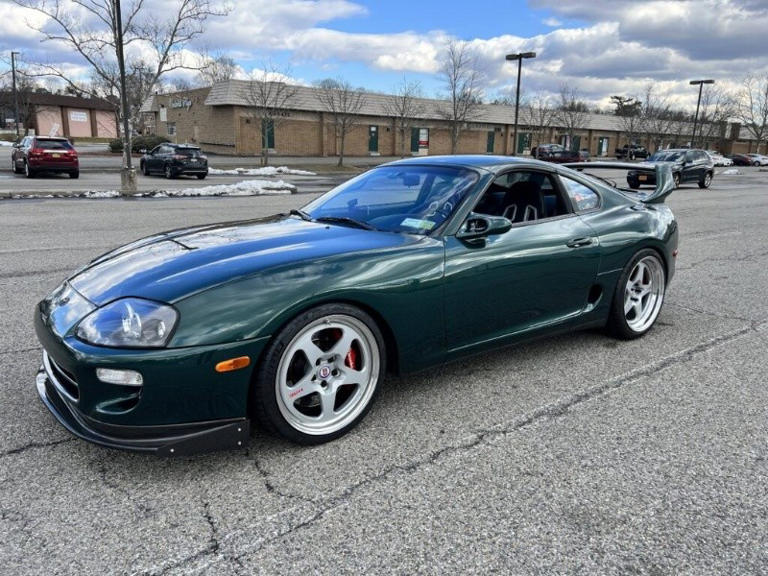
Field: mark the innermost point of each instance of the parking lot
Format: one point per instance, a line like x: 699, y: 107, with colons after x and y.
x: 578, y: 454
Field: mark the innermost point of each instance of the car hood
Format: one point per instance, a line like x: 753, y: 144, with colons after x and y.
x: 171, y: 266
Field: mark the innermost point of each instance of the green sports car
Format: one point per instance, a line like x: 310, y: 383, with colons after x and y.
x: 178, y: 342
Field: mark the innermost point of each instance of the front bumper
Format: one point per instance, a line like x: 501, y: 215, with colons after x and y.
x: 167, y: 440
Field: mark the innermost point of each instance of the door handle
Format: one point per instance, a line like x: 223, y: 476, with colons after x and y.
x: 580, y: 242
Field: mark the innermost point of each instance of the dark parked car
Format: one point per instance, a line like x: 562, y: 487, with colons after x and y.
x: 632, y: 152
x: 740, y: 159
x: 177, y: 342
x: 174, y: 160
x: 562, y: 156
x: 687, y: 165
x: 36, y: 154
x: 544, y: 150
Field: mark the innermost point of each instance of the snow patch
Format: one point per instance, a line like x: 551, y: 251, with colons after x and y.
x: 729, y: 171
x: 266, y: 171
x: 5, y: 143
x: 244, y: 188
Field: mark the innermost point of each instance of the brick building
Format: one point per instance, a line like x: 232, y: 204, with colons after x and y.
x: 60, y: 115
x: 221, y: 120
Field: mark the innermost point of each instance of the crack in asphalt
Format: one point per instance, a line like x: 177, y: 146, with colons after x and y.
x: 271, y: 488
x: 32, y: 445
x: 49, y: 272
x: 142, y: 508
x: 35, y: 349
x: 745, y: 258
x: 547, y: 412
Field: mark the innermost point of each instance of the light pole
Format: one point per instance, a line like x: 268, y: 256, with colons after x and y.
x: 698, y: 103
x: 519, y: 57
x: 15, y: 94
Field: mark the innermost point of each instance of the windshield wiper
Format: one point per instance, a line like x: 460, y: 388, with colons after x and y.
x: 301, y: 214
x: 345, y: 220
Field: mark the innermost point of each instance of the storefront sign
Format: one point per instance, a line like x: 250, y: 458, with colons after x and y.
x: 78, y: 116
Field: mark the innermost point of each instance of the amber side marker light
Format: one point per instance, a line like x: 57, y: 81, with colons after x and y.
x: 233, y: 364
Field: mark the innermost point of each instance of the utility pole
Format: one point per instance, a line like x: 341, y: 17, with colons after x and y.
x: 519, y: 57
x: 15, y: 94
x: 127, y: 174
x: 698, y: 103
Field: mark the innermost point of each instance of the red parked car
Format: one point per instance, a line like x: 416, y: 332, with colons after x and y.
x: 36, y: 154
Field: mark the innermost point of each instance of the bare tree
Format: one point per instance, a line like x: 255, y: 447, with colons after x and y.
x: 25, y: 88
x: 217, y: 68
x: 629, y: 111
x: 717, y: 108
x: 752, y: 107
x: 100, y: 32
x: 571, y: 112
x: 462, y: 80
x: 404, y: 106
x: 541, y: 114
x: 344, y: 105
x: 269, y: 97
x: 657, y: 117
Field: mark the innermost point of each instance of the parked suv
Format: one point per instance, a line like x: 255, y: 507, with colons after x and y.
x: 172, y: 160
x: 36, y: 154
x: 688, y: 165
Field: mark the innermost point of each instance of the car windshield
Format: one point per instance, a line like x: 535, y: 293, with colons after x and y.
x: 410, y: 199
x: 53, y: 144
x: 665, y: 156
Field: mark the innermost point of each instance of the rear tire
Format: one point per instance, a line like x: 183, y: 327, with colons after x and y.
x: 201, y: 176
x: 676, y: 180
x: 638, y: 296
x: 633, y: 184
x: 144, y: 169
x: 28, y: 172
x: 319, y: 375
x: 706, y: 181
x: 168, y: 171
x: 74, y: 175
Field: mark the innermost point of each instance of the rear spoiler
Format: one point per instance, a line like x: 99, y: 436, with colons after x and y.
x: 665, y: 183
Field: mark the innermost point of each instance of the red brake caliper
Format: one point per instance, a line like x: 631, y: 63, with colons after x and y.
x: 351, y: 359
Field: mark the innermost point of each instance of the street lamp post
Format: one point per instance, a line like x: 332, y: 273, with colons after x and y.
x: 15, y: 94
x: 698, y: 103
x: 519, y: 57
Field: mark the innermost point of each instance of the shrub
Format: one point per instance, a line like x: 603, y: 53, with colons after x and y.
x: 138, y: 143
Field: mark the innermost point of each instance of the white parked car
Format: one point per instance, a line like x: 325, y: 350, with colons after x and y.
x: 718, y: 159
x: 758, y: 159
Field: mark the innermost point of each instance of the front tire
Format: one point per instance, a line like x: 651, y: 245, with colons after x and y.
x: 320, y: 374
x: 676, y: 180
x: 168, y: 171
x: 638, y: 297
x: 706, y: 181
x: 144, y: 169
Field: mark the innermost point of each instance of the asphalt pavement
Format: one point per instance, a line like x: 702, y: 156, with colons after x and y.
x: 571, y: 455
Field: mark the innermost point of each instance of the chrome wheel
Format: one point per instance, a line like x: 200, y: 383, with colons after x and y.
x: 644, y: 294
x: 327, y: 374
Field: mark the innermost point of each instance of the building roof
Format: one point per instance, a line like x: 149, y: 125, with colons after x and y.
x: 47, y: 99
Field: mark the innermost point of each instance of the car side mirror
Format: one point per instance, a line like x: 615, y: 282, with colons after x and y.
x: 480, y: 226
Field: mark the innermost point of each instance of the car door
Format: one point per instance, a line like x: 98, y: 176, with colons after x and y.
x: 154, y: 160
x: 539, y: 273
x: 693, y: 168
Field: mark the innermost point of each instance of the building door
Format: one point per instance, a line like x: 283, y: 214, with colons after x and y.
x: 602, y: 146
x: 414, y: 140
x: 268, y: 133
x: 523, y: 141
x: 491, y: 141
x: 576, y: 144
x: 373, y: 139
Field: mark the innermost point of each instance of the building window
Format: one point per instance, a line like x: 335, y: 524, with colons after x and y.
x: 171, y: 128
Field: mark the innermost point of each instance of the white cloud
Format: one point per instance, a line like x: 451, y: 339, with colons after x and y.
x: 552, y: 22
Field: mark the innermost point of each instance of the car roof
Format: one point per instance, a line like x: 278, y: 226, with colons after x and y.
x: 478, y: 161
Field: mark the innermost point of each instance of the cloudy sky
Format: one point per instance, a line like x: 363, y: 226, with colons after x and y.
x: 601, y: 47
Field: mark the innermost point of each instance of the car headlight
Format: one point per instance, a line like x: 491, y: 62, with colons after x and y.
x: 129, y: 323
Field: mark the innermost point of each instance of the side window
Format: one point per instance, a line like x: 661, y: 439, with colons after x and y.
x: 582, y: 197
x: 523, y: 196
